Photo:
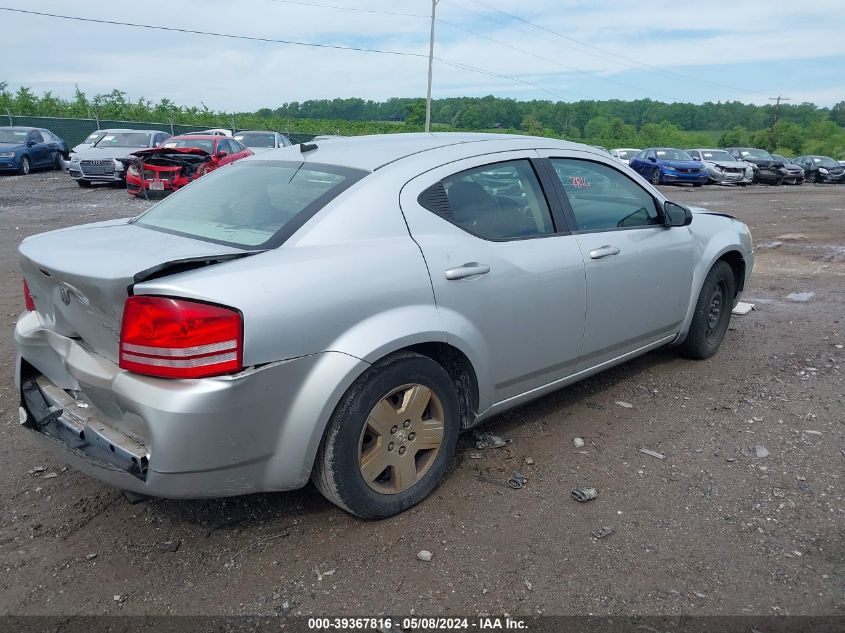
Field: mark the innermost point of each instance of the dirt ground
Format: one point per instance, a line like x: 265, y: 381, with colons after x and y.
x: 710, y: 529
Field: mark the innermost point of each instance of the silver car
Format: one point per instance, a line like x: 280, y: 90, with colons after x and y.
x: 624, y: 154
x: 260, y: 141
x: 99, y: 162
x: 343, y: 312
x: 723, y: 168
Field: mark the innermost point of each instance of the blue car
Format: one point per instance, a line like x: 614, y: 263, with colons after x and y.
x: 665, y: 165
x: 23, y: 149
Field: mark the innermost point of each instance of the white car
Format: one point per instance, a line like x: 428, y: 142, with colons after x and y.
x: 624, y: 154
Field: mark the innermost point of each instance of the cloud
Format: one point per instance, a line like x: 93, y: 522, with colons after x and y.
x: 668, y: 51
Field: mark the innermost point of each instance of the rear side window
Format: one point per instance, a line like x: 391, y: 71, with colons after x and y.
x: 500, y: 202
x: 603, y: 198
x: 250, y: 204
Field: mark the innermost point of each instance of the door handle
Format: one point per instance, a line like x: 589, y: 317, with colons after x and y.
x: 467, y: 270
x: 603, y: 251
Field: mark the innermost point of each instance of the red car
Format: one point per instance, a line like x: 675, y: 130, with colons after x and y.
x: 179, y: 161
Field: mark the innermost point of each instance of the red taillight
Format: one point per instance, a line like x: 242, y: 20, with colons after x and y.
x: 177, y: 338
x: 27, y: 297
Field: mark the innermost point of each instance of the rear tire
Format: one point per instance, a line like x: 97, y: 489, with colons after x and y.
x: 712, y: 313
x: 374, y: 461
x: 57, y: 161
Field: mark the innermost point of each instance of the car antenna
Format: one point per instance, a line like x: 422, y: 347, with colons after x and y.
x: 307, y: 147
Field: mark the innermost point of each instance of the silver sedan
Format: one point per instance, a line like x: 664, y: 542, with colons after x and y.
x: 342, y: 312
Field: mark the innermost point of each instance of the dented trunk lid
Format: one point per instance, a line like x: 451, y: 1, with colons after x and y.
x: 80, y: 277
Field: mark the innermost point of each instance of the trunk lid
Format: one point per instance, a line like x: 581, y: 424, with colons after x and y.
x: 80, y: 277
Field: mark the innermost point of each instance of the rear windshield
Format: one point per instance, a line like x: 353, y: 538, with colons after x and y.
x: 250, y: 204
x: 206, y: 145
x: 257, y: 139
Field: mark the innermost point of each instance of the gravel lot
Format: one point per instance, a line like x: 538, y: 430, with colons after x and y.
x: 710, y: 529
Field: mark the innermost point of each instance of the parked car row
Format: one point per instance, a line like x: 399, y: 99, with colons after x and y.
x: 731, y: 166
x: 146, y: 160
x: 154, y: 161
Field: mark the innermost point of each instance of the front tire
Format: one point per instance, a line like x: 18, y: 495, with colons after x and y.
x: 712, y: 313
x: 655, y: 177
x: 25, y: 167
x: 84, y: 183
x: 390, y: 439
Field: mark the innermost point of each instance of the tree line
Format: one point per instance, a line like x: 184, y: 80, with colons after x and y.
x: 799, y: 128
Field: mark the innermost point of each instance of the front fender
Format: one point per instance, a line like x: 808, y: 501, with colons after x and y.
x: 724, y: 241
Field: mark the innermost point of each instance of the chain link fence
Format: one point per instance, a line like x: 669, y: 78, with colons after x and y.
x: 74, y: 131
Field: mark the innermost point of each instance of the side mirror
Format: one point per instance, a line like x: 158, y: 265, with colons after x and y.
x: 675, y: 214
x: 219, y: 155
x: 696, y: 158
x: 652, y: 159
x: 30, y: 143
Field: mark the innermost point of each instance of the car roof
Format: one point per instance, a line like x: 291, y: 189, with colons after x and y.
x: 372, y: 152
x: 20, y: 127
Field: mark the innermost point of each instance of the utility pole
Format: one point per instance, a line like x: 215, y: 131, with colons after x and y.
x: 430, y: 62
x: 777, y: 101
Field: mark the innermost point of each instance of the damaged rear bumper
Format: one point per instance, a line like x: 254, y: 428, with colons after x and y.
x: 255, y: 431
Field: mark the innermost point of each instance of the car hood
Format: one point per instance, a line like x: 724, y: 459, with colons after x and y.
x: 703, y: 211
x: 10, y: 147
x: 100, y: 153
x: 680, y: 164
x: 261, y: 150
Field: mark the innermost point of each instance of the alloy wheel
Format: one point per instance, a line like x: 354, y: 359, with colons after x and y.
x: 714, y: 311
x: 401, y: 439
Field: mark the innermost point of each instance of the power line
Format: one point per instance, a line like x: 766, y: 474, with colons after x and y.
x: 448, y: 62
x: 547, y: 59
x: 355, y: 9
x: 631, y: 63
x: 154, y: 27
x: 500, y: 76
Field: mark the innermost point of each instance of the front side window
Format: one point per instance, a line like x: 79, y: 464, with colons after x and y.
x: 498, y: 202
x: 602, y: 198
x: 35, y: 135
x: 250, y: 204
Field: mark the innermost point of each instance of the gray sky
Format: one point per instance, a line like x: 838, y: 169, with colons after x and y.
x: 669, y: 51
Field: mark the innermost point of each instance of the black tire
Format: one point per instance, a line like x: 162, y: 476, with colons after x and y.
x: 655, y: 177
x: 83, y: 183
x: 25, y: 167
x: 778, y: 181
x: 697, y: 184
x: 337, y: 473
x: 712, y: 313
x: 57, y: 161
